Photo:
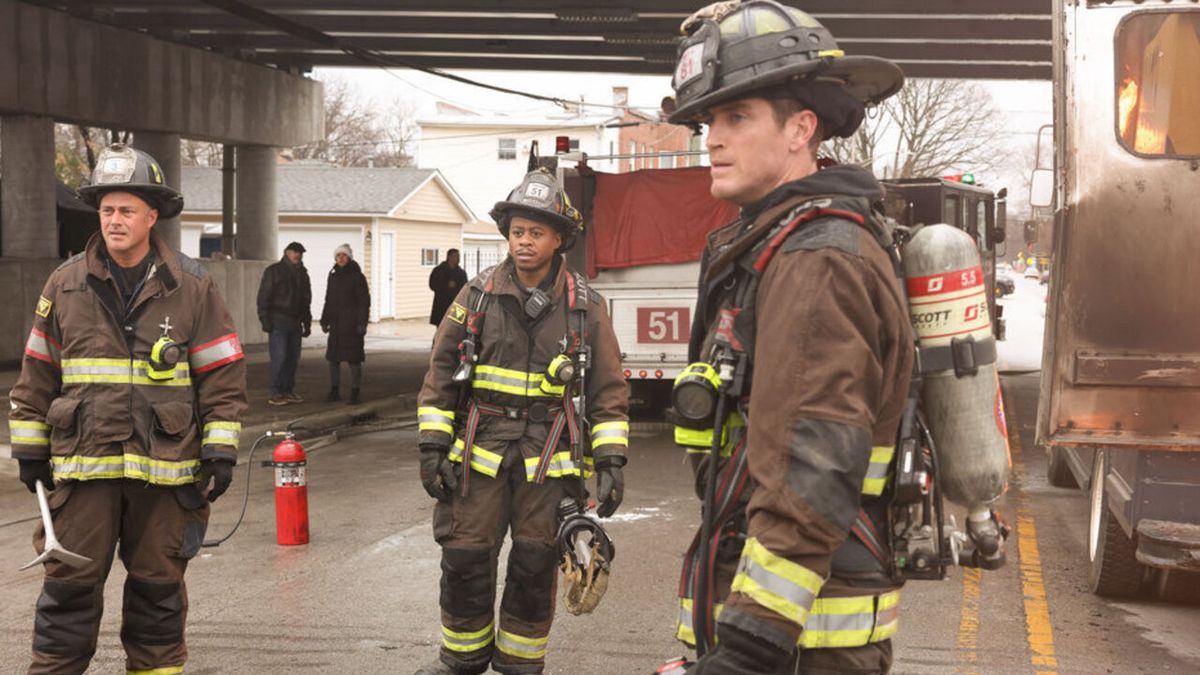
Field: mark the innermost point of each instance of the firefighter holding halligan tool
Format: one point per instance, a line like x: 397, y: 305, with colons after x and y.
x: 524, y: 398
x: 801, y: 356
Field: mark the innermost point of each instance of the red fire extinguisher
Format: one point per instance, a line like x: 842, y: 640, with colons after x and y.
x: 291, y: 492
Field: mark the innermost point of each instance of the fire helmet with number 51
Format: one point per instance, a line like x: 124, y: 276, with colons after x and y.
x: 540, y: 198
x: 735, y: 49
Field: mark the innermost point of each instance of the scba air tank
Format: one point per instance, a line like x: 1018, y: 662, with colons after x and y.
x: 960, y: 391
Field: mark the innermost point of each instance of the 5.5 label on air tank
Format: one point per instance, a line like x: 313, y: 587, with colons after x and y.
x: 948, y: 305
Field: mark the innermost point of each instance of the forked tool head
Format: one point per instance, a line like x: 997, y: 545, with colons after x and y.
x: 53, y: 550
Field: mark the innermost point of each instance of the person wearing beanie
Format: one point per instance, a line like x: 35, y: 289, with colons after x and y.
x: 344, y: 318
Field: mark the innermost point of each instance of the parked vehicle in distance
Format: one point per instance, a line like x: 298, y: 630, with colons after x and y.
x: 1005, y: 285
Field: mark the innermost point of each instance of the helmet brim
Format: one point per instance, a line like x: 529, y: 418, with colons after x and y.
x: 869, y: 79
x: 162, y: 198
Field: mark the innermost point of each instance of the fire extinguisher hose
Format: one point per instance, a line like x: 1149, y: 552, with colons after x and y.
x: 210, y: 543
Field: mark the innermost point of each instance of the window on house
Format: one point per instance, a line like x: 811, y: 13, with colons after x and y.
x: 507, y: 148
x: 574, y: 144
x: 429, y: 257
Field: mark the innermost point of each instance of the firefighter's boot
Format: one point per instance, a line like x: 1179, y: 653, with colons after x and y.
x: 439, y: 667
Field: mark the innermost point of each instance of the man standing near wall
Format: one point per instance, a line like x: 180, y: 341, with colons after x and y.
x: 285, y: 311
x: 128, y: 407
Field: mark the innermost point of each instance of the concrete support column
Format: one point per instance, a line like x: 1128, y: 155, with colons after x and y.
x: 28, y: 224
x: 257, y: 210
x: 165, y: 149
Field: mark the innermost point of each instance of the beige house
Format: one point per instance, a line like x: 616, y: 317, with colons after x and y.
x: 400, y: 223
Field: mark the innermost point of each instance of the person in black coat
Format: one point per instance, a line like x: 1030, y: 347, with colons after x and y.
x: 446, y: 280
x: 347, y: 310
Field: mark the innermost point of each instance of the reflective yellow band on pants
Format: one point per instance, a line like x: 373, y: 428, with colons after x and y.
x: 29, y: 433
x: 833, y: 622
x: 169, y: 670
x: 610, y: 433
x: 699, y: 441
x: 784, y: 587
x: 222, y: 433
x: 469, y: 641
x: 482, y: 460
x: 435, y: 419
x: 515, y: 382
x: 520, y: 646
x: 136, y: 467
x: 561, y: 465
x: 851, y: 622
x: 877, y: 473
x: 120, y: 371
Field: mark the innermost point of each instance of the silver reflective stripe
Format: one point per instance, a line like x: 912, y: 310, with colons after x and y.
x: 212, y: 354
x: 776, y: 584
x: 467, y: 641
x: 610, y: 433
x: 518, y: 382
x: 877, y: 471
x: 841, y: 622
x: 520, y: 646
x: 116, y: 371
x: 29, y: 433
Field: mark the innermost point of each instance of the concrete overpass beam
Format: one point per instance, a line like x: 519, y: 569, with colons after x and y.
x: 165, y: 149
x: 257, y: 210
x: 28, y: 223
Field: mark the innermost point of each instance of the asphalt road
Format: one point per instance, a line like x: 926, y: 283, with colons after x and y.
x: 362, y: 597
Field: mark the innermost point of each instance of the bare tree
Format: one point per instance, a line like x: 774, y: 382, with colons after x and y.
x: 201, y: 153
x: 352, y: 133
x: 76, y: 148
x: 399, y: 135
x: 930, y: 128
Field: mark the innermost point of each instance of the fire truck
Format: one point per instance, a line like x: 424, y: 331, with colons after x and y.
x: 1120, y: 382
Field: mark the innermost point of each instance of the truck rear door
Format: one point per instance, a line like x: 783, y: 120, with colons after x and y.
x: 1121, y: 366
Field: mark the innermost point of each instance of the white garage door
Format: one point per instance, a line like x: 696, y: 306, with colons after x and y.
x: 319, y: 244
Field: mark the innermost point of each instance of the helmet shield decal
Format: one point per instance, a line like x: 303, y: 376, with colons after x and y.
x: 116, y: 166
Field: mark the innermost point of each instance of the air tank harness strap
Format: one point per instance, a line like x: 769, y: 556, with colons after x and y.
x: 468, y: 351
x: 962, y: 355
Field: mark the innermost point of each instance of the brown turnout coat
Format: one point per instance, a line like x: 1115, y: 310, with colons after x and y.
x: 85, y: 397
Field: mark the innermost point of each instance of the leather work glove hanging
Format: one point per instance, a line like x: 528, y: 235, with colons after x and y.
x: 33, y: 470
x: 219, y: 472
x: 437, y: 473
x: 610, y: 485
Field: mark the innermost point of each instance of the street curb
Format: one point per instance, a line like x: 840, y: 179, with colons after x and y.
x: 322, y: 423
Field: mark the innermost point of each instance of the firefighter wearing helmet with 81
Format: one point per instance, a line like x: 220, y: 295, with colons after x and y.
x: 524, y: 399
x: 801, y: 355
x: 129, y: 408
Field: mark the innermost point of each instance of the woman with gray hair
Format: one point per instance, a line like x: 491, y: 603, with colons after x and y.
x: 344, y: 318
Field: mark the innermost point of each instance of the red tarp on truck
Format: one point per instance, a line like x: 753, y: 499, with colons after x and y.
x: 653, y: 216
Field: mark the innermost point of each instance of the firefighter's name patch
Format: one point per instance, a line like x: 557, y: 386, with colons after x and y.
x: 457, y: 313
x: 43, y: 307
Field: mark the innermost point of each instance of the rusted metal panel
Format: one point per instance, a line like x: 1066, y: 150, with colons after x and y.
x: 1120, y: 367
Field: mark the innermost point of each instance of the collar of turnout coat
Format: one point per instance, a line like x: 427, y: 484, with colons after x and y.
x: 842, y: 179
x: 165, y: 261
x: 505, y: 282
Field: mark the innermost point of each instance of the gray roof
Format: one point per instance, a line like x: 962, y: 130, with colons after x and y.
x: 315, y: 188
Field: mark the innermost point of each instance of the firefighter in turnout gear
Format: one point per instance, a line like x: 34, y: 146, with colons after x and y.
x: 502, y: 440
x: 801, y: 355
x: 128, y: 407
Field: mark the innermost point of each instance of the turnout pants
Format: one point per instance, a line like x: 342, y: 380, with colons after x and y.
x: 471, y: 531
x: 154, y: 537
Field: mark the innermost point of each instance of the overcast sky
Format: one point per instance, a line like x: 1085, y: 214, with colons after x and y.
x: 1024, y: 105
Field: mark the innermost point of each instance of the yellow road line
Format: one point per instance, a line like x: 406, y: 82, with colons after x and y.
x: 968, y: 622
x: 1038, y: 629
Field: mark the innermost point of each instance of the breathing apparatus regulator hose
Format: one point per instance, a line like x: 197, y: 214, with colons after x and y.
x: 210, y: 543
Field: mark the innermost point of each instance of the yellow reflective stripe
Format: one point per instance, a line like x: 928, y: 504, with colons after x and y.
x: 467, y: 642
x: 29, y: 432
x: 851, y: 622
x: 683, y: 631
x: 120, y: 371
x: 561, y: 465
x: 699, y: 441
x: 784, y: 587
x: 482, y: 460
x: 138, y: 467
x: 170, y: 670
x: 222, y: 433
x: 520, y: 646
x: 877, y: 473
x: 435, y: 419
x: 704, y: 371
x: 95, y: 362
x: 836, y: 53
x: 610, y: 433
x: 515, y: 382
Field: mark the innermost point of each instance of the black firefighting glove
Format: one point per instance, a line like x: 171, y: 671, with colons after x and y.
x: 266, y: 326
x: 740, y: 652
x: 325, y: 328
x: 306, y: 330
x: 610, y: 484
x: 220, y: 472
x: 437, y: 473
x: 33, y: 470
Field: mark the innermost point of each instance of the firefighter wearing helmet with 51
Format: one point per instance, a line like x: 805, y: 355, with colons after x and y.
x: 523, y: 400
x: 128, y: 408
x: 801, y: 355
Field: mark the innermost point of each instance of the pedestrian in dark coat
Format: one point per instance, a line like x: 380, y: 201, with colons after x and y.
x: 344, y: 318
x: 446, y: 280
